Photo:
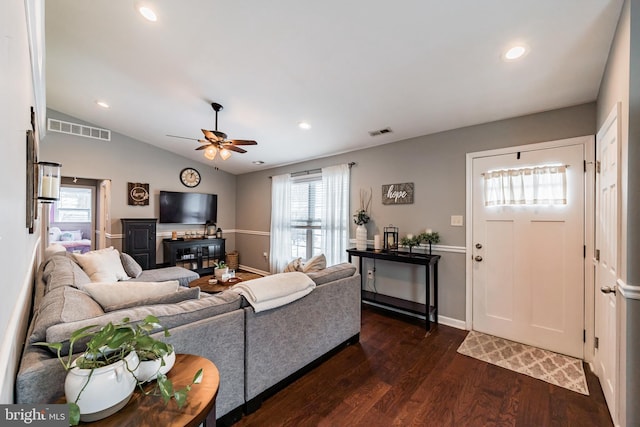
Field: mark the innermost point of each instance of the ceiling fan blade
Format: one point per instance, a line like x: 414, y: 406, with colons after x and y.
x: 204, y: 141
x: 210, y: 135
x: 203, y: 147
x: 232, y: 147
x: 182, y: 137
x: 242, y: 142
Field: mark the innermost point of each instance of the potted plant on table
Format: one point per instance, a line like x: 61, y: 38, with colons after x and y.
x: 430, y: 237
x: 360, y: 218
x: 220, y: 270
x: 101, y: 381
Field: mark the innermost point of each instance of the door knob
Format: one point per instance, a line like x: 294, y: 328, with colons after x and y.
x: 478, y: 258
x: 478, y: 246
x: 608, y: 290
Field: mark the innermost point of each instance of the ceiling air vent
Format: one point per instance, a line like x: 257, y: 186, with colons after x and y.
x: 55, y: 125
x: 380, y: 132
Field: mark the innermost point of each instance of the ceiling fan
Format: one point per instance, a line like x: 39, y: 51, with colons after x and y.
x: 216, y: 142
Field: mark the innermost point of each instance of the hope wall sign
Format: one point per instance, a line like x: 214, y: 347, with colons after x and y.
x: 397, y: 194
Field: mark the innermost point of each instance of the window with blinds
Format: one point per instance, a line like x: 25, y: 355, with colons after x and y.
x: 306, y: 216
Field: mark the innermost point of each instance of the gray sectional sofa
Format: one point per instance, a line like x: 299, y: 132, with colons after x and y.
x: 256, y: 353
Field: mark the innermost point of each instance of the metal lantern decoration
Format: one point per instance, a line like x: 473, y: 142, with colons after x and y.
x: 49, y: 182
x: 390, y: 238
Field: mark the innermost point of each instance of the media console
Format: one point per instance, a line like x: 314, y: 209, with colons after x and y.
x: 198, y: 255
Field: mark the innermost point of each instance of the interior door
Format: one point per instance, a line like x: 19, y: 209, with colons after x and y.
x: 606, y: 271
x: 528, y: 268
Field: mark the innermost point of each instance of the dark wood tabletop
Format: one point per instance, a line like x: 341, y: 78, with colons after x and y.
x: 150, y: 411
x: 205, y: 286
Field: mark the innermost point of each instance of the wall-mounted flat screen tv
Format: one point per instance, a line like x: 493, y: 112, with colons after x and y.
x: 188, y: 208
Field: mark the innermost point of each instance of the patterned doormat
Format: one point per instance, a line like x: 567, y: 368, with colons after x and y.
x: 554, y: 368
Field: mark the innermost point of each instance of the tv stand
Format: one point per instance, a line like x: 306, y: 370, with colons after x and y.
x: 198, y: 255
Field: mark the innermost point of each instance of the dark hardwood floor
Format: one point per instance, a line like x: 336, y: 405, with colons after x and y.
x: 396, y: 376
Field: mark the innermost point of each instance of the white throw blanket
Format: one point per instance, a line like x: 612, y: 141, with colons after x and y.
x: 275, y: 290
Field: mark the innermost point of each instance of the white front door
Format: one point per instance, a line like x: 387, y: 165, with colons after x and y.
x: 607, y: 266
x: 528, y: 268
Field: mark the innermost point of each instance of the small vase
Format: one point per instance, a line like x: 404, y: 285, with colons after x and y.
x: 361, y: 238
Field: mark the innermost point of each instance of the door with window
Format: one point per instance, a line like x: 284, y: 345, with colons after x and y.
x: 72, y: 218
x: 528, y: 253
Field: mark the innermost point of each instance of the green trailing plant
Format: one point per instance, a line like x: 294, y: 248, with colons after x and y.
x: 112, y: 343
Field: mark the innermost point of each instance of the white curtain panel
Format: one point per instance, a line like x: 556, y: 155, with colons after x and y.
x: 545, y: 185
x: 280, y: 222
x: 335, y: 216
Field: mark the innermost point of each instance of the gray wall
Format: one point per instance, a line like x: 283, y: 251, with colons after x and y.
x: 436, y: 166
x: 124, y: 160
x: 18, y: 249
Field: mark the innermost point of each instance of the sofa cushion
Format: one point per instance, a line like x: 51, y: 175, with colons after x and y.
x: 182, y: 275
x: 317, y: 263
x: 113, y: 294
x: 60, y: 270
x: 60, y: 305
x: 181, y: 294
x: 130, y: 265
x: 169, y: 316
x: 335, y: 272
x: 102, y: 265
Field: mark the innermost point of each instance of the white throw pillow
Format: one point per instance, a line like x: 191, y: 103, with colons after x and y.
x: 119, y: 293
x: 317, y: 263
x: 103, y: 265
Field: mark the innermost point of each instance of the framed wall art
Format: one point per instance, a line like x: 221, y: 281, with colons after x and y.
x: 397, y: 194
x: 138, y: 194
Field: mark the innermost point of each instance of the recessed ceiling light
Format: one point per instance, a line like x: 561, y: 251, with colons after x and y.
x: 258, y: 162
x: 515, y: 52
x: 103, y: 104
x: 304, y: 125
x: 148, y: 14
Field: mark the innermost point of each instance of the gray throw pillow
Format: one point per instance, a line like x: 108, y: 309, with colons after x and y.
x: 131, y: 267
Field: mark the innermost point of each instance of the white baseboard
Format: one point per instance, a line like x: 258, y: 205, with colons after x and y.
x: 253, y: 270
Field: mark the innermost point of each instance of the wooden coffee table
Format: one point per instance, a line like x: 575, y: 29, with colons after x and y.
x: 204, y: 285
x: 150, y: 411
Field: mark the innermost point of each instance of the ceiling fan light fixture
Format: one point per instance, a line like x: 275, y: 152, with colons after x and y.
x: 225, y: 154
x: 210, y: 152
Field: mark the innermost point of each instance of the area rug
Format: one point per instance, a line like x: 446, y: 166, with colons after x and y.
x: 554, y: 368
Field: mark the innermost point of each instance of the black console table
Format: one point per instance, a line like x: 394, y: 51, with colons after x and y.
x: 431, y: 267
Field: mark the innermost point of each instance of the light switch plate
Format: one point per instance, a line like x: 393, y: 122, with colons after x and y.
x: 457, y: 220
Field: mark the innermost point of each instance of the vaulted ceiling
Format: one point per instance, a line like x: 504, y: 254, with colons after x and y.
x: 345, y: 67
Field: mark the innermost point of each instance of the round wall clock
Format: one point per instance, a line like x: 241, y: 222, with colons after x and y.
x: 190, y: 177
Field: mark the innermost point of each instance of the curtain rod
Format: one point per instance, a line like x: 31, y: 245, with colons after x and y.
x: 311, y: 171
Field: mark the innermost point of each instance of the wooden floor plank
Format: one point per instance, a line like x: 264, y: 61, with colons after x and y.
x: 397, y: 376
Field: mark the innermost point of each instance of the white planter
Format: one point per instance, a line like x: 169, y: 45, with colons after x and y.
x: 149, y: 369
x: 107, y: 389
x: 361, y: 238
x: 220, y: 271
